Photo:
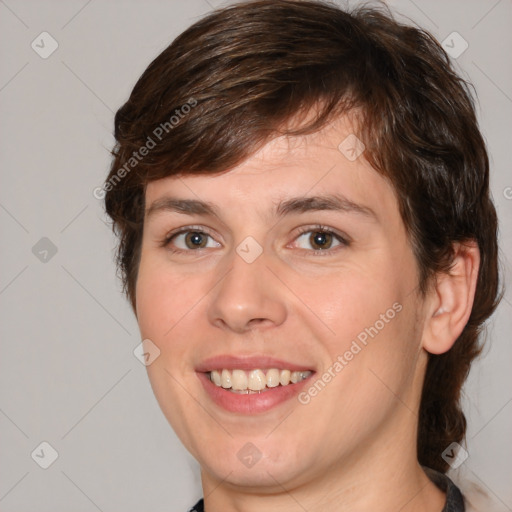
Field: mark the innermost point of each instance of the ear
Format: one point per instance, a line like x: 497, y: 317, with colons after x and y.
x: 451, y: 300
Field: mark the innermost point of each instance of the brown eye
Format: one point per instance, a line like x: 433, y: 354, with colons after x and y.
x: 195, y: 239
x: 188, y: 240
x: 320, y: 240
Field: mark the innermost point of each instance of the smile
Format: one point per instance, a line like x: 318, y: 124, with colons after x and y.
x: 255, y: 381
x: 251, y: 384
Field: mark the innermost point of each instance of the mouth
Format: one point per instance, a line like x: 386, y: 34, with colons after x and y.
x: 255, y: 381
x: 251, y: 385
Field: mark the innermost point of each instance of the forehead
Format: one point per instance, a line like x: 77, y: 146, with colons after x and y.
x: 325, y: 162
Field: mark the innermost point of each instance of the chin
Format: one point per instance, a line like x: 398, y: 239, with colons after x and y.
x: 264, y: 475
x: 246, y: 463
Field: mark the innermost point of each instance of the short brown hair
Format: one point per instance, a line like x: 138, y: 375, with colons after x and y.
x: 245, y: 70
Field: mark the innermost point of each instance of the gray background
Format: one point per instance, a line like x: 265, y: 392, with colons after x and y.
x: 68, y: 373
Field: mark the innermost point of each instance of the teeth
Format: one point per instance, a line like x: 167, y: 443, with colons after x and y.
x: 273, y: 378
x: 284, y: 377
x: 240, y: 381
x: 257, y: 380
x: 216, y: 378
x: 226, y: 379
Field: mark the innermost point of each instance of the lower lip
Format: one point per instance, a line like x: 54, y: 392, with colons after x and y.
x: 250, y: 403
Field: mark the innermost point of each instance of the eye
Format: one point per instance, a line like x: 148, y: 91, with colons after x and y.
x: 189, y: 239
x: 320, y: 239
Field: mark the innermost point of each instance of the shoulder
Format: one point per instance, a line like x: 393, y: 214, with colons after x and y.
x: 477, y: 497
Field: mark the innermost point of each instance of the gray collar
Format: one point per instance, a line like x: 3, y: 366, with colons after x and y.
x: 454, y: 499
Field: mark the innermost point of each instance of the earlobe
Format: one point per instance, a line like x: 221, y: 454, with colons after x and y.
x: 451, y: 301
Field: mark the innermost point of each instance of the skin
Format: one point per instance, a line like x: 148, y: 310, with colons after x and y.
x: 353, y: 446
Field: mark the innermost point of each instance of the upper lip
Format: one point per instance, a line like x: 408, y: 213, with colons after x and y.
x: 230, y: 362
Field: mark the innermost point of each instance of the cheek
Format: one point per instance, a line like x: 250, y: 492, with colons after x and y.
x: 359, y: 301
x: 163, y: 298
x: 164, y: 303
x: 370, y: 366
x: 372, y: 342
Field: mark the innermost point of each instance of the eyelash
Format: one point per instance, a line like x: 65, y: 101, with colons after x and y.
x: 344, y: 241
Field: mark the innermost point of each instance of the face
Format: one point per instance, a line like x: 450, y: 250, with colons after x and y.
x: 297, y: 261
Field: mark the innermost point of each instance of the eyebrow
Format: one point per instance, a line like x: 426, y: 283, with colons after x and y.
x: 331, y: 202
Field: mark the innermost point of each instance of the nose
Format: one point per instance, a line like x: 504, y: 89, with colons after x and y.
x: 248, y: 296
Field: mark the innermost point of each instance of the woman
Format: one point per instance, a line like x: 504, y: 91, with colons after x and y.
x: 309, y: 245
